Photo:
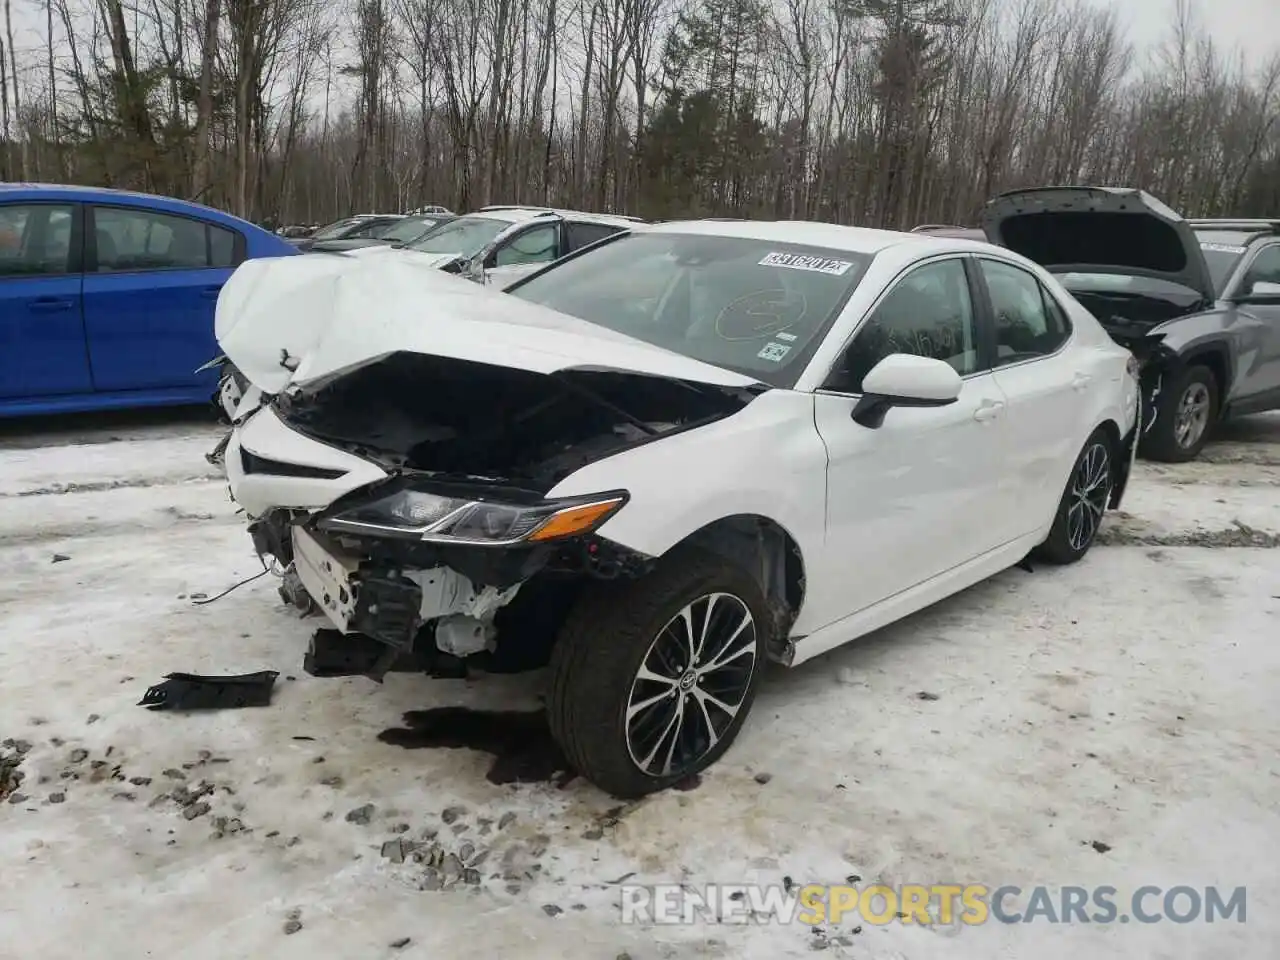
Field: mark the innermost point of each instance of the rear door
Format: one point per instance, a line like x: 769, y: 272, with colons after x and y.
x: 1045, y: 384
x: 151, y: 284
x: 42, y: 342
x: 524, y: 252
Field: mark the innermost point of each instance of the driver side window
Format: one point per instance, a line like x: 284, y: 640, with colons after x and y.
x: 1264, y: 269
x: 928, y: 313
x: 537, y: 245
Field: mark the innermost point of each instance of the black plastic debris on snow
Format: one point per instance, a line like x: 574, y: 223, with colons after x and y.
x: 519, y: 741
x: 188, y: 691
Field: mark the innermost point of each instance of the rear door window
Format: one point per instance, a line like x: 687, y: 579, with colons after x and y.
x: 1029, y: 322
x: 584, y: 234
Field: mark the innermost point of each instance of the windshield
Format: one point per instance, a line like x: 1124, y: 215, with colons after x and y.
x: 753, y: 306
x: 466, y: 235
x: 335, y: 229
x: 1222, y: 251
x: 411, y: 228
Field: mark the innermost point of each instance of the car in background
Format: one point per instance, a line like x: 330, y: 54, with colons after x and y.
x: 782, y: 437
x: 1197, y: 301
x: 408, y: 229
x: 107, y: 298
x: 500, y: 245
x: 359, y: 226
x: 432, y: 209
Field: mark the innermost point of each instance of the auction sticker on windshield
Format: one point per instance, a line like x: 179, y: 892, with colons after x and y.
x: 774, y: 352
x: 796, y: 261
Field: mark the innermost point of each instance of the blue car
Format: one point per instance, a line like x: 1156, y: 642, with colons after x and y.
x: 107, y: 297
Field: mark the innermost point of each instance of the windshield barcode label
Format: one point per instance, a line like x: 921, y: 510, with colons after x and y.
x: 794, y: 261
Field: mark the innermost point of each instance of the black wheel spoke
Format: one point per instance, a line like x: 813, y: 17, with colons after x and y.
x: 1088, y: 496
x: 691, y: 684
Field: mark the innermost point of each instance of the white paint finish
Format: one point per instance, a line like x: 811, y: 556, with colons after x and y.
x: 905, y: 502
x: 767, y: 460
x: 348, y: 313
x: 913, y: 378
x: 503, y: 277
x: 264, y: 435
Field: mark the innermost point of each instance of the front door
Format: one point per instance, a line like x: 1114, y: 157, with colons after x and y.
x: 151, y: 284
x: 42, y: 344
x: 920, y: 494
x: 1258, y: 378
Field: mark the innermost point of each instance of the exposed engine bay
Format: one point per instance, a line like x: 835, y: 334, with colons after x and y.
x: 472, y: 421
x: 458, y: 553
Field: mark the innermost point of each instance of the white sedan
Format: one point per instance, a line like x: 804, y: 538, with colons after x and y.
x: 668, y: 459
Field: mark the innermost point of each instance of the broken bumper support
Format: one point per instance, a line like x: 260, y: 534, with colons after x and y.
x: 189, y: 691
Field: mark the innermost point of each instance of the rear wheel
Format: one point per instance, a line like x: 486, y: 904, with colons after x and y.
x: 652, y: 680
x: 1188, y: 410
x: 1075, y: 526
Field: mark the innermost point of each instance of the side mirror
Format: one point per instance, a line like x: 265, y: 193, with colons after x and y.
x: 473, y: 269
x: 905, y: 380
x: 1262, y: 291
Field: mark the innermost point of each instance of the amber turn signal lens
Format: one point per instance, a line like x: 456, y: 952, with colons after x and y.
x: 574, y: 520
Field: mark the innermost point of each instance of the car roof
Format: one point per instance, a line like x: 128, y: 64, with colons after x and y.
x: 73, y: 193
x: 834, y: 236
x: 1241, y: 232
x: 520, y: 214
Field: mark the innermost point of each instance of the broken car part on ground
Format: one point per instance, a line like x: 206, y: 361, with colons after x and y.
x: 661, y: 462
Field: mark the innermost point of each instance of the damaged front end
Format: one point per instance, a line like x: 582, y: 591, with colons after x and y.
x: 1158, y: 364
x: 457, y: 555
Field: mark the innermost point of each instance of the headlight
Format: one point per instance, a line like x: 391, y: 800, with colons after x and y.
x: 1133, y: 367
x: 420, y: 515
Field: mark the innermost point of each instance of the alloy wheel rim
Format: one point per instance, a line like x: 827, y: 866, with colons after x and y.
x: 1090, y: 489
x: 691, y: 685
x: 1192, y: 416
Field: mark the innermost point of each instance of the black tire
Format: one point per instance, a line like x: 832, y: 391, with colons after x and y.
x: 1164, y: 441
x: 1083, y: 503
x: 617, y: 628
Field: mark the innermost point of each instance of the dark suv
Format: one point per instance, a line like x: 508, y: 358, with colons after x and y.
x: 1197, y: 301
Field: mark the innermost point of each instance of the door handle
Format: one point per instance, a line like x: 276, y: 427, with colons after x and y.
x: 1080, y: 381
x: 50, y: 304
x: 211, y: 293
x: 988, y: 410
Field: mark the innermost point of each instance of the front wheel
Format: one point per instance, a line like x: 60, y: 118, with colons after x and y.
x: 1187, y: 414
x: 1075, y: 525
x: 651, y: 680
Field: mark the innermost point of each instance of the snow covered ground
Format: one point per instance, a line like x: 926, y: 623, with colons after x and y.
x: 1129, y: 700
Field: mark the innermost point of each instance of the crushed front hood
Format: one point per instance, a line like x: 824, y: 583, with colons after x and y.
x: 298, y: 320
x: 1108, y: 230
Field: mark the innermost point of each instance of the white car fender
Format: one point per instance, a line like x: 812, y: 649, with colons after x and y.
x: 756, y: 462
